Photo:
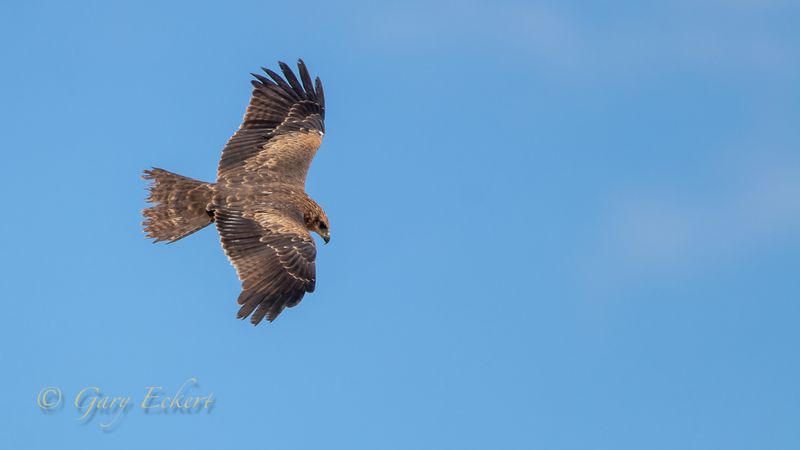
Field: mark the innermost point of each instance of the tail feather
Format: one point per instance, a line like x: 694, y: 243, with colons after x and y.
x: 181, y: 205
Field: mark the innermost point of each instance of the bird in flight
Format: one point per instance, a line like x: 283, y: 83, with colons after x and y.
x: 258, y: 203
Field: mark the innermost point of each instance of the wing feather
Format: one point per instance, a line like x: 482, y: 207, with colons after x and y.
x: 308, y: 86
x: 281, y: 82
x: 287, y: 72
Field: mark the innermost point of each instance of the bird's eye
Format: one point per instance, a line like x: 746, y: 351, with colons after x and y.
x: 322, y: 226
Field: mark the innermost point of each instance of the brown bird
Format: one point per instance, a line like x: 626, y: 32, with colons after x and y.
x: 258, y: 202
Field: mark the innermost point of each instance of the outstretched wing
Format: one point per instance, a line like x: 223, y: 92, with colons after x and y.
x: 274, y: 257
x: 281, y: 131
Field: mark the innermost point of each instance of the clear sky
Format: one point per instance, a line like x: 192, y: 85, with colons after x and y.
x: 555, y: 225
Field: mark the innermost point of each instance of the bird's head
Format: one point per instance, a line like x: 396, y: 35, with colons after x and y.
x: 317, y: 221
x: 322, y: 228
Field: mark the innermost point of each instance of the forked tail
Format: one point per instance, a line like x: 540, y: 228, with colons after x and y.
x: 181, y: 205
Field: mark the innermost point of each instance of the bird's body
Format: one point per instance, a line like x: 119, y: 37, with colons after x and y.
x: 258, y: 202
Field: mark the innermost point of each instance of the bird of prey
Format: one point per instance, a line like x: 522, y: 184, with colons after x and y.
x: 258, y: 203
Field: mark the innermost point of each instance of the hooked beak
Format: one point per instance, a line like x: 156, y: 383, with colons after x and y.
x: 326, y: 238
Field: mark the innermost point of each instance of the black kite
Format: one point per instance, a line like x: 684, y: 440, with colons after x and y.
x: 258, y: 202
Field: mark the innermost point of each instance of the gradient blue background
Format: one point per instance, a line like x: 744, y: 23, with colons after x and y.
x: 556, y: 225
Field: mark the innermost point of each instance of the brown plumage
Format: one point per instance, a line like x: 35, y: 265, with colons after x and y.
x: 258, y: 202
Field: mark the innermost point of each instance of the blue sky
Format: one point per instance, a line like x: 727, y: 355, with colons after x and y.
x: 555, y: 225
